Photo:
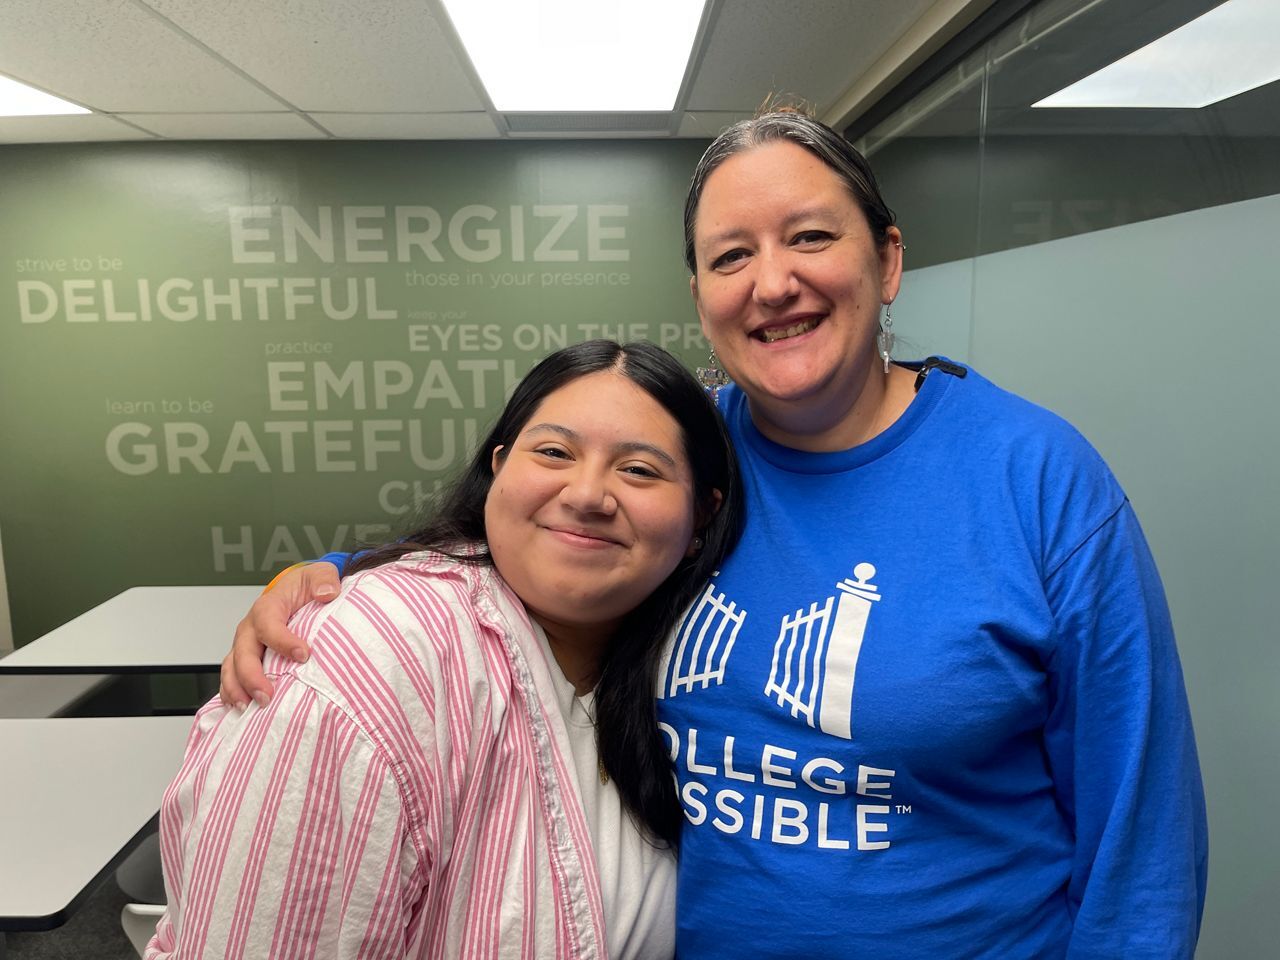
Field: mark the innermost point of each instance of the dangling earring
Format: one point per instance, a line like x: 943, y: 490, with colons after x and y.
x: 712, y: 377
x: 885, y: 338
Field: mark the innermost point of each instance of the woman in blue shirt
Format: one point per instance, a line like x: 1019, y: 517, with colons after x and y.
x: 931, y: 706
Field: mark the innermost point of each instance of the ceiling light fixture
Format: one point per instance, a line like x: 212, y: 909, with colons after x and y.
x: 578, y: 55
x: 1224, y: 52
x: 19, y: 100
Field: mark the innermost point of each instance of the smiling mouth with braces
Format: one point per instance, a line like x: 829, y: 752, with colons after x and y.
x: 782, y: 333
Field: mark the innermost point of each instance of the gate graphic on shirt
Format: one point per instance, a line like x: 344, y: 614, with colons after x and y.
x: 815, y: 657
x: 698, y: 654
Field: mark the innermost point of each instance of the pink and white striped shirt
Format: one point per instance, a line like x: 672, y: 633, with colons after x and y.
x: 407, y: 793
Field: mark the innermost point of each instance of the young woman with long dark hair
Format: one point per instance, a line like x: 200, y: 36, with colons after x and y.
x: 469, y: 762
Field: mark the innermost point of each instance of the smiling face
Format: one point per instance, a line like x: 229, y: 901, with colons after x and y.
x: 592, y: 507
x: 789, y: 288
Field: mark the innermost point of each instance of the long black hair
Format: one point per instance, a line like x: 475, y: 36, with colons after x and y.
x: 631, y: 748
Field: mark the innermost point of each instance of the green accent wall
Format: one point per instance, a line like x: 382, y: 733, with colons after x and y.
x: 218, y: 359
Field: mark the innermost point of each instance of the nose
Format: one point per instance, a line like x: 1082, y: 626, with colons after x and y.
x: 587, y: 491
x: 775, y: 280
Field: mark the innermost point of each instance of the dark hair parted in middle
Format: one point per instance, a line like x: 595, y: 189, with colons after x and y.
x: 631, y: 748
x: 812, y: 135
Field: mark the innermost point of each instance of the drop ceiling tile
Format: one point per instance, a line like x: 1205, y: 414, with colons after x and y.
x: 814, y: 49
x: 389, y: 56
x: 409, y: 126
x: 89, y: 126
x: 227, y: 126
x: 114, y: 55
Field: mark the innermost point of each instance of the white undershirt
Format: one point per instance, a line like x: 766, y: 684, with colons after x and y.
x: 637, y: 879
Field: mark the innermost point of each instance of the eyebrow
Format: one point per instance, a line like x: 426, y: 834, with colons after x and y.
x: 627, y: 446
x: 804, y: 213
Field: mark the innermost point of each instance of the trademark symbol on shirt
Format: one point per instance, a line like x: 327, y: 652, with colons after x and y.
x: 902, y: 807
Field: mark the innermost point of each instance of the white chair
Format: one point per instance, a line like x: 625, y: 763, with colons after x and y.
x: 140, y: 877
x: 139, y: 922
x: 141, y: 880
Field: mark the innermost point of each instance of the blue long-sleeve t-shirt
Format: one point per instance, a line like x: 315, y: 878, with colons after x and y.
x: 931, y: 707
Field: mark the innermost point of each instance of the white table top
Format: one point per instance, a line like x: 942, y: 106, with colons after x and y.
x: 77, y: 793
x: 143, y: 630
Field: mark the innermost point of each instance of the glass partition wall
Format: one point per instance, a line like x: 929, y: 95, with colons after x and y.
x: 1118, y: 264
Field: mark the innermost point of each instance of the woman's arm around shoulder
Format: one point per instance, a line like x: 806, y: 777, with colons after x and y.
x: 265, y: 627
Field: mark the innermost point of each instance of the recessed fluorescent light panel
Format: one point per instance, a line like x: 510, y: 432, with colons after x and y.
x: 578, y: 55
x: 19, y: 100
x: 1226, y: 51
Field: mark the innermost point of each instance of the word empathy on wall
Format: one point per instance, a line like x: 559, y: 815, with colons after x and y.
x: 297, y: 385
x: 179, y: 299
x: 541, y: 233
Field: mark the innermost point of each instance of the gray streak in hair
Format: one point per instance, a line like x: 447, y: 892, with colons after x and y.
x: 820, y: 140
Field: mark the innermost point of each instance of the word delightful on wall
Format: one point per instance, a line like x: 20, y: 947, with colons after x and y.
x: 539, y: 233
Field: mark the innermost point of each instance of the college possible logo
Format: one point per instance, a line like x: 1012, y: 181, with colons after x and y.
x: 700, y: 650
x: 815, y: 658
x: 815, y: 655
